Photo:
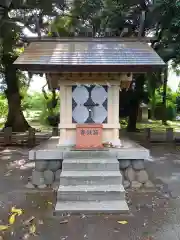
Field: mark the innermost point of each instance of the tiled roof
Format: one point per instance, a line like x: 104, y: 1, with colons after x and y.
x: 89, y: 52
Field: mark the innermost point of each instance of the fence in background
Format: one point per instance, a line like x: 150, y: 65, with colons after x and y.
x: 29, y: 138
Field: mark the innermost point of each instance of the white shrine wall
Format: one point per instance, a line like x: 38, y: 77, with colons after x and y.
x: 67, y: 128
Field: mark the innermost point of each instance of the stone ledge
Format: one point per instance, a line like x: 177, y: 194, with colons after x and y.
x: 92, y: 207
x: 133, y: 154
x: 50, y: 150
x: 61, y: 154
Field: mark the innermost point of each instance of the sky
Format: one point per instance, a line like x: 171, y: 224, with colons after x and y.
x: 173, y: 80
x: 38, y: 82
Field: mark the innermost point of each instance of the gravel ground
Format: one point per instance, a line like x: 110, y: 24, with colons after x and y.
x: 154, y: 215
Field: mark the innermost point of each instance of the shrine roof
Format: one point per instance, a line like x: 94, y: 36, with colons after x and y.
x: 89, y: 55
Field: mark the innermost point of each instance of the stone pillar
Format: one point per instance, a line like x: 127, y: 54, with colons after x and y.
x: 110, y: 103
x: 62, y: 113
x: 115, y: 111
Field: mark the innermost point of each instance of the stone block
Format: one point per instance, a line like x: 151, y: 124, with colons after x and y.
x: 91, y: 193
x: 37, y: 178
x: 41, y: 165
x: 138, y: 164
x: 32, y: 154
x: 89, y: 154
x: 149, y: 184
x: 130, y: 174
x: 136, y: 184
x: 96, y: 178
x: 29, y: 185
x: 126, y: 184
x: 142, y: 176
x: 99, y: 164
x: 124, y: 164
x: 54, y: 165
x: 43, y: 186
x: 48, y: 177
x: 57, y: 175
x: 91, y: 207
x: 49, y: 154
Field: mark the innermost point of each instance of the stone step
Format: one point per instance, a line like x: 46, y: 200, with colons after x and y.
x: 89, y: 154
x: 91, y: 193
x: 91, y: 164
x: 74, y: 178
x: 91, y: 207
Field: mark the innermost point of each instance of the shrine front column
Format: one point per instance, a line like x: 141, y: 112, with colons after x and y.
x: 62, y: 113
x: 115, y: 112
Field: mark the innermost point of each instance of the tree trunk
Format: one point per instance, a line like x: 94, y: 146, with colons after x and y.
x: 164, y: 121
x: 136, y: 98
x: 15, y: 118
x: 133, y: 113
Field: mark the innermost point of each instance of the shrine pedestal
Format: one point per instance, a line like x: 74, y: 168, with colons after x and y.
x: 89, y: 181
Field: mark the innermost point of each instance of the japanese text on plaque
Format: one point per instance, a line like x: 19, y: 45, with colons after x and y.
x: 89, y: 132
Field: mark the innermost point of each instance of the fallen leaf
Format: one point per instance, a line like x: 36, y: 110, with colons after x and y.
x: 32, y: 229
x: 3, y: 227
x: 50, y: 203
x: 12, y: 218
x: 64, y: 221
x: 122, y: 222
x: 16, y: 210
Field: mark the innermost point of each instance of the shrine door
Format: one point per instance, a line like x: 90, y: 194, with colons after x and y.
x: 89, y: 104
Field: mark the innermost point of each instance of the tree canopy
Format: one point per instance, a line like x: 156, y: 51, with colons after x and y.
x: 125, y: 18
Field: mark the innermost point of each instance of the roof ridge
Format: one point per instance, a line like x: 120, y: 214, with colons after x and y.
x: 89, y: 39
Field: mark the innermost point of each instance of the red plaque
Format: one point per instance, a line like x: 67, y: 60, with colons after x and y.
x: 89, y: 136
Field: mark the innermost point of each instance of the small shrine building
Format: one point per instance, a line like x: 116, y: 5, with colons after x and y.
x: 89, y: 73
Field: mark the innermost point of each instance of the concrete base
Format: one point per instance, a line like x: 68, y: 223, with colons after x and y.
x: 90, y: 180
x: 50, y: 149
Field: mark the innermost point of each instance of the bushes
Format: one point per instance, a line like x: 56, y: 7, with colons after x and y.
x: 3, y: 107
x: 170, y: 112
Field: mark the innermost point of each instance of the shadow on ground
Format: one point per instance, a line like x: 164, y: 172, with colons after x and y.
x: 154, y: 215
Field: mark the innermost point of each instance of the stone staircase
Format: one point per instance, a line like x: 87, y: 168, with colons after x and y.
x: 90, y: 185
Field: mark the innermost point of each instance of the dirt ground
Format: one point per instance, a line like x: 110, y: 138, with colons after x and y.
x: 154, y: 215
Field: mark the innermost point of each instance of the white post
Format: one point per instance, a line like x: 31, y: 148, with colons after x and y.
x: 62, y: 113
x: 116, y: 111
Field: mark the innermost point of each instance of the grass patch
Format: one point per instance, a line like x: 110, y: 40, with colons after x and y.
x: 1, y: 125
x: 158, y: 126
x: 154, y: 125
